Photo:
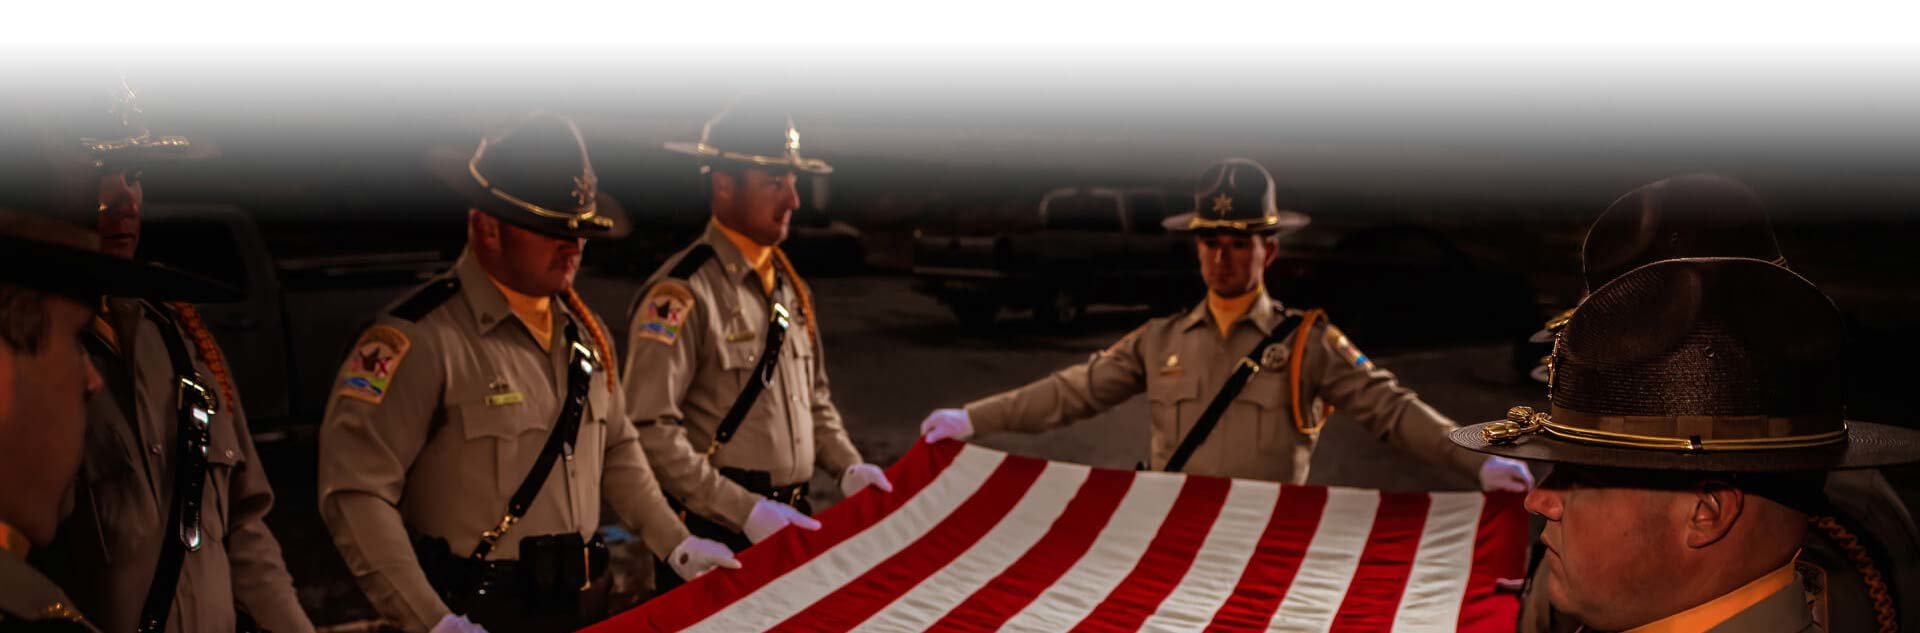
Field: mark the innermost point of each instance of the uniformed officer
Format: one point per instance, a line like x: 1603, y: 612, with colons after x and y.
x: 1695, y: 406
x: 476, y: 427
x: 1237, y: 382
x: 150, y: 547
x: 725, y: 376
x: 1864, y: 545
x: 52, y: 276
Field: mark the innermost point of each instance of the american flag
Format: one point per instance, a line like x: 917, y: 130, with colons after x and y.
x: 973, y: 539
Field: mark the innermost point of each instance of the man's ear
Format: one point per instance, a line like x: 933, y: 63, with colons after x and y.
x: 1272, y: 244
x: 485, y: 229
x: 1717, y: 507
x: 723, y: 185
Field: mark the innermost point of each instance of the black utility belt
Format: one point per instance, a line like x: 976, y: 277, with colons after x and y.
x: 549, y: 575
x: 760, y: 482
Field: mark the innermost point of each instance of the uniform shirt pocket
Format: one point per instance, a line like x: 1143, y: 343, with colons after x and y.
x: 1176, y: 406
x: 497, y: 430
x: 224, y: 458
x: 1263, y: 404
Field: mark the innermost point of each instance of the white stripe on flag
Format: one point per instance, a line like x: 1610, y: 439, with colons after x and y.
x: 820, y: 577
x: 1113, y: 555
x: 1439, y: 579
x: 1023, y: 526
x: 1217, y: 566
x: 1327, y: 569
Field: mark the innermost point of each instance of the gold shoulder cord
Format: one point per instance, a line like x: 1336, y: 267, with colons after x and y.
x: 1883, y: 609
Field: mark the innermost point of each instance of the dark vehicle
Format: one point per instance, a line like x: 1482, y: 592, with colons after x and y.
x: 1093, y: 245
x: 285, y: 341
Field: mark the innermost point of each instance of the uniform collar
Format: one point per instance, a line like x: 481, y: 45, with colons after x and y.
x: 30, y: 594
x: 490, y: 307
x: 1770, y: 602
x: 735, y: 263
x: 1265, y: 314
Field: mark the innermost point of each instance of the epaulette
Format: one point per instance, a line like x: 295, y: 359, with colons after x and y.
x: 692, y: 261
x: 425, y: 299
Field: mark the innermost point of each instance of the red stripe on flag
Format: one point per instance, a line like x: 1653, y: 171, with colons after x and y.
x: 1499, y: 551
x: 1296, y: 516
x: 1065, y: 542
x: 1166, y: 560
x: 1374, y: 597
x: 883, y: 583
x: 704, y: 596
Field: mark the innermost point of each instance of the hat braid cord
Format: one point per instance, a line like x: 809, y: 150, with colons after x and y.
x: 1883, y: 608
x: 579, y: 308
x: 209, y: 348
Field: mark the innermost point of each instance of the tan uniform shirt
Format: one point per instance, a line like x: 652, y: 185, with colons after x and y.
x: 435, y: 422
x: 108, y: 549
x: 28, y: 597
x: 1181, y: 362
x: 692, y: 345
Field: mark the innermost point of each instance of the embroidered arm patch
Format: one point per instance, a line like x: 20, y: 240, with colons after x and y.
x: 370, y: 366
x: 663, y: 311
x: 1338, y: 340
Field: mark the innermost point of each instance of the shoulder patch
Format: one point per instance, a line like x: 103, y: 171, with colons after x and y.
x: 370, y: 365
x: 663, y: 310
x: 424, y: 300
x: 1338, y: 341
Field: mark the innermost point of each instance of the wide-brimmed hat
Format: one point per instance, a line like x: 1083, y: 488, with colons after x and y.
x: 1693, y: 215
x: 103, y: 116
x: 1699, y: 364
x: 751, y: 134
x: 1236, y: 195
x: 534, y: 174
x: 47, y: 188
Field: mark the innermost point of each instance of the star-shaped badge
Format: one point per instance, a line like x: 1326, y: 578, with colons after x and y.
x: 1222, y: 204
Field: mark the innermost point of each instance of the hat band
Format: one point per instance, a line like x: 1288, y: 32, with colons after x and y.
x: 1692, y: 433
x: 588, y: 212
x: 1199, y: 223
x: 793, y: 159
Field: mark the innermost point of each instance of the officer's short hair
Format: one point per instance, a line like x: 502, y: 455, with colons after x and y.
x: 23, y: 318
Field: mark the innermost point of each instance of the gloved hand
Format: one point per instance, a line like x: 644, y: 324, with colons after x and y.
x: 1502, y: 474
x: 769, y: 516
x: 451, y: 623
x: 947, y: 423
x: 695, y: 556
x: 862, y: 475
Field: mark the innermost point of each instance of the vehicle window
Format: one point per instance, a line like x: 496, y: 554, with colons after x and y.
x: 1083, y: 213
x: 203, y: 247
x: 1145, y: 212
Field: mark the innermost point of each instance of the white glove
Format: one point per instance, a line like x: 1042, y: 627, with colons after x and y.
x: 770, y: 516
x: 451, y: 623
x: 695, y: 556
x: 947, y: 423
x: 1502, y: 474
x: 862, y: 475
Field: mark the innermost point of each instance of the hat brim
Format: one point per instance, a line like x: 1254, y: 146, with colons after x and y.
x: 158, y: 151
x: 79, y: 272
x: 449, y: 166
x: 1868, y: 445
x: 1288, y: 221
x: 706, y: 152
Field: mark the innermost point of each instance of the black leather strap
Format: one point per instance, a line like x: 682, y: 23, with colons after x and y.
x: 778, y: 322
x: 1249, y: 365
x: 195, y: 405
x: 559, y: 440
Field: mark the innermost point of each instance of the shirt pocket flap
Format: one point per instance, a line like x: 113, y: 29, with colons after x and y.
x: 1176, y: 390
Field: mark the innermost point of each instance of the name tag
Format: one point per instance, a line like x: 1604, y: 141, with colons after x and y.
x: 504, y: 399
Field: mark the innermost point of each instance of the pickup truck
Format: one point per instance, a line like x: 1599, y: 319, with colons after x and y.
x: 1092, y: 245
